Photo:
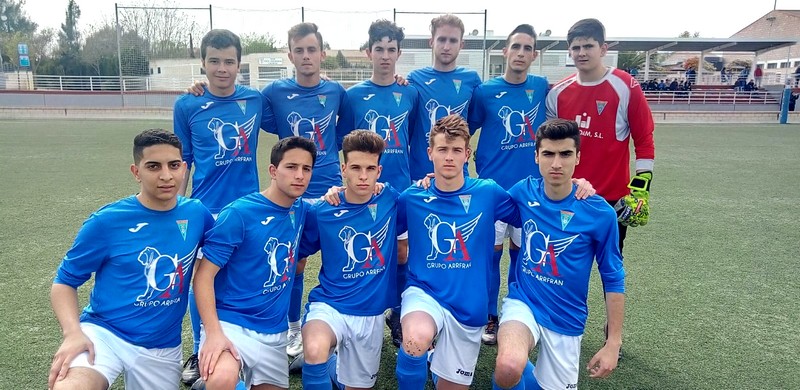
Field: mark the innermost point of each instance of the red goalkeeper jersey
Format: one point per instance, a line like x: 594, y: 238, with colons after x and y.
x: 609, y: 112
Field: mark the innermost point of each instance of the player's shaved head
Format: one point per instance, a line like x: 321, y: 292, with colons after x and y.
x: 452, y: 126
x: 282, y: 146
x: 558, y: 129
x: 363, y: 141
x: 588, y: 29
x: 153, y: 137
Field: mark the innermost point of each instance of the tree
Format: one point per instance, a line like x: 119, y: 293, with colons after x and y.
x: 39, y: 47
x: 69, y: 41
x: 687, y: 34
x: 100, y: 51
x: 258, y: 43
x: 691, y: 63
x: 637, y: 59
x: 341, y: 60
x: 13, y: 20
x: 166, y: 31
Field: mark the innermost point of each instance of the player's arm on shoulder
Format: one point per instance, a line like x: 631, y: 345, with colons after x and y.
x: 64, y: 300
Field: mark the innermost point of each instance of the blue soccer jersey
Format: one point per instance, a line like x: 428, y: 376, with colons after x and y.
x: 388, y: 111
x: 560, y: 241
x: 440, y: 94
x: 254, y: 242
x: 142, y: 260
x: 359, y: 253
x: 219, y: 137
x: 451, y: 240
x: 508, y: 116
x: 293, y: 110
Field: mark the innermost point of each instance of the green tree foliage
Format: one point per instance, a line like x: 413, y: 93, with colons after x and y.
x: 687, y: 34
x: 69, y: 41
x: 341, y: 60
x: 13, y: 19
x: 258, y: 43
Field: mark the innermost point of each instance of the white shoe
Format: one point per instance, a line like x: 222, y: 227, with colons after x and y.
x: 295, y: 346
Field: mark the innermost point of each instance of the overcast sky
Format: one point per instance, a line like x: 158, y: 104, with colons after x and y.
x: 344, y: 25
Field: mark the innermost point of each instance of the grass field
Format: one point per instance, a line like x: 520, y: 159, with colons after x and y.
x: 712, y: 288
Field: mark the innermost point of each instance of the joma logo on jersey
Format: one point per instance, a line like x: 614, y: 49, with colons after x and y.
x: 437, y: 111
x: 449, y: 239
x: 232, y: 137
x: 280, y: 258
x: 518, y: 124
x: 386, y: 126
x: 363, y: 248
x: 165, y: 275
x: 540, y: 252
x: 311, y: 128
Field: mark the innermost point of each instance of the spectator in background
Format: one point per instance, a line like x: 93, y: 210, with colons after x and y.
x: 723, y: 76
x: 758, y: 73
x: 797, y: 77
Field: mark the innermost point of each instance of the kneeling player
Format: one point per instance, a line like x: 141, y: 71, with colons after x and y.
x: 141, y: 250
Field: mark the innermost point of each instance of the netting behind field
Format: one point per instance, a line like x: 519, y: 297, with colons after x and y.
x: 160, y: 42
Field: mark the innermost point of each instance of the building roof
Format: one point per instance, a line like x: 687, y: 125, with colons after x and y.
x: 628, y: 44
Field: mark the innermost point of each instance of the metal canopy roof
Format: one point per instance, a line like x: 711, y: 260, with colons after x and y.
x: 629, y: 44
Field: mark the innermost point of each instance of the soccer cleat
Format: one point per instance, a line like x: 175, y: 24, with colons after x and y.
x: 489, y: 336
x: 296, y: 363
x: 191, y: 371
x: 295, y: 346
x: 392, y: 319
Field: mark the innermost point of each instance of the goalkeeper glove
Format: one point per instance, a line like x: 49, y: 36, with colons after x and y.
x: 634, y: 209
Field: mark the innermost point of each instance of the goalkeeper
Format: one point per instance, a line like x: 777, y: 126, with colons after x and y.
x: 611, y: 111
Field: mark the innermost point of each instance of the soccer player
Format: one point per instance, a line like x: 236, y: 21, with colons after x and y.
x: 306, y: 106
x: 357, y: 276
x: 444, y: 89
x: 245, y: 277
x: 546, y: 304
x: 508, y: 110
x: 610, y: 109
x: 389, y: 109
x: 141, y: 250
x: 219, y: 133
x: 449, y: 260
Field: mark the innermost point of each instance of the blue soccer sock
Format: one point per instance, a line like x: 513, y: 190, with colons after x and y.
x: 529, y: 378
x: 315, y: 377
x: 494, y: 282
x: 332, y: 372
x: 402, y: 274
x: 296, y: 299
x: 512, y: 265
x: 412, y: 372
x: 194, y: 318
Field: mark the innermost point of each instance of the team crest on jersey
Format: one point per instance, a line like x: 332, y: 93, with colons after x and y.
x: 437, y: 111
x: 465, y: 201
x: 518, y: 124
x: 529, y: 94
x: 634, y: 83
x: 398, y: 96
x: 386, y: 126
x: 601, y: 105
x: 183, y: 225
x: 566, y: 216
x: 363, y: 248
x: 310, y: 127
x: 281, y: 260
x: 449, y: 239
x: 322, y: 99
x: 457, y: 84
x: 232, y: 137
x: 540, y: 251
x: 373, y: 210
x: 165, y: 275
x: 242, y: 105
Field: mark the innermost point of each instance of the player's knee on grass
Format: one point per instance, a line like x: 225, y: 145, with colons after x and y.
x: 318, y: 341
x: 418, y: 333
x: 82, y: 378
x: 226, y: 373
x: 301, y: 266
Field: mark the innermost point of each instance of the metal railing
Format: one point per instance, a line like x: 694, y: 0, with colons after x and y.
x: 710, y: 97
